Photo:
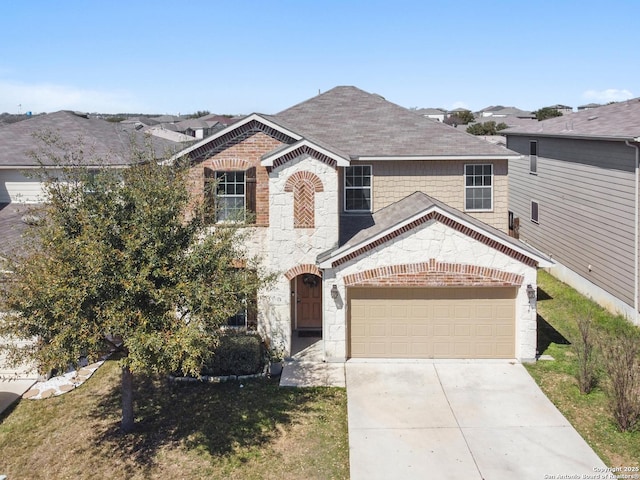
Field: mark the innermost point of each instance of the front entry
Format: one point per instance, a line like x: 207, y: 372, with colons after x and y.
x: 308, y: 297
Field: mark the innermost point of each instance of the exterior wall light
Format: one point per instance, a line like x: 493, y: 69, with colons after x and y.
x: 334, y: 292
x: 531, y: 292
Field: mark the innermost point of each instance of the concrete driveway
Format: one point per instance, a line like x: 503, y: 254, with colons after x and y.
x: 459, y: 420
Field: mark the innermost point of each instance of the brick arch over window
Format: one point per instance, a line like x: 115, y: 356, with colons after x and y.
x: 228, y: 164
x: 300, y: 269
x: 304, y: 185
x: 434, y: 274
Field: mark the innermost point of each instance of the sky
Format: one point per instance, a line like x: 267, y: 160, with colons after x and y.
x: 239, y: 57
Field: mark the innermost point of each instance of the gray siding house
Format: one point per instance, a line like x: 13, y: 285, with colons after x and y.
x: 574, y: 195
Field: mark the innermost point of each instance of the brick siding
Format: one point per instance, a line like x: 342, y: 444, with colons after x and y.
x: 241, y: 156
x: 304, y: 185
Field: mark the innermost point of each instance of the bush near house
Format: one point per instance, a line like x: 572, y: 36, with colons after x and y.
x: 236, y: 354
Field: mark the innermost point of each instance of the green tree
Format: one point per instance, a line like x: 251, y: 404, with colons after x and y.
x: 547, y: 112
x: 115, y: 263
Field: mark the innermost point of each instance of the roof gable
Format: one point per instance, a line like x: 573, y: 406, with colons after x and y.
x: 236, y: 133
x: 418, y: 209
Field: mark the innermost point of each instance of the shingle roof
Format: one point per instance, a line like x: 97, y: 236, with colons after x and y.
x: 366, y: 125
x: 12, y: 228
x: 398, y: 213
x: 110, y: 142
x: 616, y: 121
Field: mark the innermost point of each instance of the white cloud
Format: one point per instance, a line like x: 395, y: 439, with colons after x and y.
x: 608, y: 95
x: 38, y: 98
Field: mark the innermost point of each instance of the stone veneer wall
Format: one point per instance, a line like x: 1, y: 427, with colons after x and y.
x: 290, y: 248
x: 435, y: 242
x: 443, y: 180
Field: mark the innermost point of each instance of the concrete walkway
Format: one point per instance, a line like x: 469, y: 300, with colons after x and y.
x: 306, y: 368
x: 460, y: 420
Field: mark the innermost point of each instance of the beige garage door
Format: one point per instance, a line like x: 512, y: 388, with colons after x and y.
x: 432, y: 322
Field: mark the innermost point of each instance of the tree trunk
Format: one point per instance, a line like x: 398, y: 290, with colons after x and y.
x: 127, y: 400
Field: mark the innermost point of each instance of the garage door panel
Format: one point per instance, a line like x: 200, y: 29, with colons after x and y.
x: 432, y: 323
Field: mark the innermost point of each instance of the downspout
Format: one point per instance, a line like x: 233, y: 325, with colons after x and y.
x: 636, y: 227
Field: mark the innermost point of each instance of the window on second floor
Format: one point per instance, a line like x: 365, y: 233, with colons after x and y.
x: 478, y: 190
x: 534, y: 212
x: 533, y: 157
x: 357, y: 188
x: 230, y: 196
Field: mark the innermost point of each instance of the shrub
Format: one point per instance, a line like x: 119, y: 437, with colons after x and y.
x: 236, y: 354
x: 621, y: 362
x: 584, y: 348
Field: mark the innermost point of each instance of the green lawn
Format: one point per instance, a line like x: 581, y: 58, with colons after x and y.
x: 558, y: 307
x: 253, y: 430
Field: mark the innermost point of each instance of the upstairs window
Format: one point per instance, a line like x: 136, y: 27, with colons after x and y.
x: 230, y: 196
x: 534, y: 212
x: 533, y: 157
x: 357, y: 188
x: 478, y: 190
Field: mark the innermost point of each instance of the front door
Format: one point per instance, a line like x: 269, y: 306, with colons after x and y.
x: 308, y: 302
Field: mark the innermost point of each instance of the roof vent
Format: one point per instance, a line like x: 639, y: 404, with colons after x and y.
x: 592, y: 118
x: 81, y: 114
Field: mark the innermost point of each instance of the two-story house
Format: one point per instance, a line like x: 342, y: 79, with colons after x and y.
x: 574, y: 194
x: 387, y: 230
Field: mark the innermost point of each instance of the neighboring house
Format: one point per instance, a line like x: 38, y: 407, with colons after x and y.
x: 589, y: 106
x: 501, y: 112
x: 388, y: 237
x: 564, y: 109
x: 438, y: 114
x: 110, y: 142
x: 574, y: 194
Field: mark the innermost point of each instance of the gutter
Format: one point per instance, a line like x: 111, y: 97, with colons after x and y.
x: 636, y: 300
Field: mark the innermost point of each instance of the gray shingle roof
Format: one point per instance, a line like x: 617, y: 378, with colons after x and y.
x: 401, y: 211
x: 617, y: 121
x: 110, y: 142
x: 364, y: 124
x: 12, y: 228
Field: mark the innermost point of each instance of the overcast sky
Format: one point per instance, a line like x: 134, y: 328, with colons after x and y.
x: 263, y: 56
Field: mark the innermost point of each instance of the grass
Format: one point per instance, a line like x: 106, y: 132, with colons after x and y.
x: 213, y: 431
x: 558, y: 307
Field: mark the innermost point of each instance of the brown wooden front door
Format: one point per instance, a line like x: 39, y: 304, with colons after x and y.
x: 308, y: 302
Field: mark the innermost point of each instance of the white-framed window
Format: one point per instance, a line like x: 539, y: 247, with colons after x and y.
x: 535, y: 212
x: 357, y: 188
x: 478, y: 190
x: 533, y: 157
x: 231, y: 189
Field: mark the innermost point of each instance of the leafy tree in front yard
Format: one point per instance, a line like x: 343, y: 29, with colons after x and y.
x: 118, y: 262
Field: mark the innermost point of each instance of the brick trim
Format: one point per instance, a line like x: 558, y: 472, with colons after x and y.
x: 434, y: 274
x: 303, y: 268
x: 228, y: 164
x: 235, y: 136
x: 438, y: 217
x: 304, y: 177
x: 301, y: 150
x: 304, y: 185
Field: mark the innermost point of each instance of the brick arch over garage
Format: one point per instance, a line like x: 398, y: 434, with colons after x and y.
x: 300, y: 269
x: 434, y: 274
